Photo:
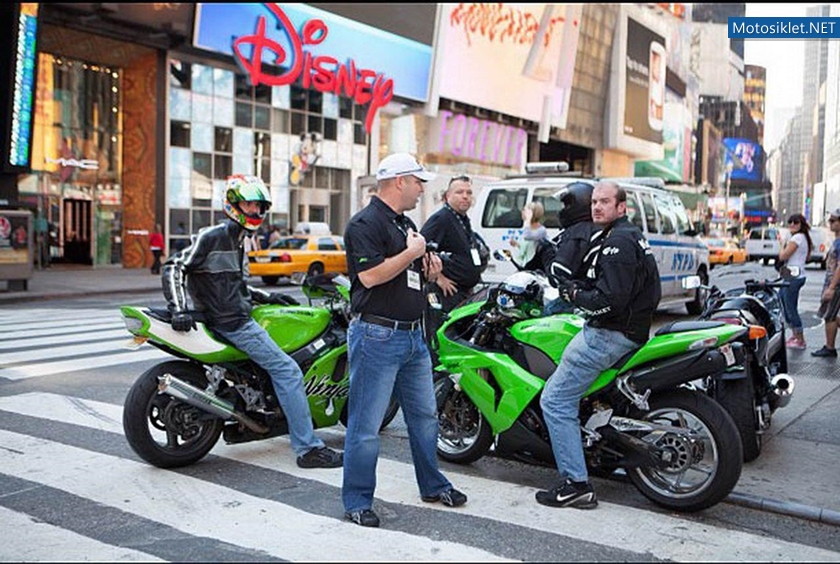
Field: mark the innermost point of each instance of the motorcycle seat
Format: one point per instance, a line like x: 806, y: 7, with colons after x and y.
x: 681, y: 326
x: 163, y: 314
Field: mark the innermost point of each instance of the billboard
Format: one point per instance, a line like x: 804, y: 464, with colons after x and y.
x: 515, y: 59
x: 745, y: 158
x: 676, y: 145
x: 18, y: 120
x: 325, y: 51
x: 636, y: 108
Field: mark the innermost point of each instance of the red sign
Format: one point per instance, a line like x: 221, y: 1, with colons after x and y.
x: 323, y: 73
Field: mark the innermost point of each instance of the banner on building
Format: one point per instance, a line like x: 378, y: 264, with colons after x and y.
x: 515, y: 59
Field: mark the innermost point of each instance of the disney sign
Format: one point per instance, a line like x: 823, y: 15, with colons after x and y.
x: 323, y: 73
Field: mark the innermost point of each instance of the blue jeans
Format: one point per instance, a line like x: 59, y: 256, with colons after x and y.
x: 790, y: 302
x: 286, y: 378
x: 589, y: 353
x: 383, y: 360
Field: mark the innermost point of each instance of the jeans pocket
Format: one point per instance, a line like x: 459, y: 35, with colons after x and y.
x: 377, y: 332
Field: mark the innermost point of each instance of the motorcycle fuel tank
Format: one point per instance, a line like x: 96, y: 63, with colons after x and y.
x: 292, y: 327
x: 549, y: 334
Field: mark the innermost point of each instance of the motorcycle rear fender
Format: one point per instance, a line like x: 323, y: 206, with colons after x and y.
x: 496, y: 384
x: 198, y: 344
x: 671, y: 372
x: 668, y: 345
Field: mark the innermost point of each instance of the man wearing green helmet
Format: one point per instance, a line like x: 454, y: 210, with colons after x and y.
x: 214, y: 270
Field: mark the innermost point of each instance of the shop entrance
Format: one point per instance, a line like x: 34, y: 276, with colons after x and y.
x: 77, y: 231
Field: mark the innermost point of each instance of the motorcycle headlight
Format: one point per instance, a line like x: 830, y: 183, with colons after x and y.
x: 505, y: 300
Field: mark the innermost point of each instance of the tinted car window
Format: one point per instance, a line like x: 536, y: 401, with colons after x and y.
x: 291, y: 243
x: 550, y: 204
x: 504, y: 208
x: 683, y: 223
x: 666, y: 216
x: 633, y: 213
x: 650, y: 213
x: 326, y: 244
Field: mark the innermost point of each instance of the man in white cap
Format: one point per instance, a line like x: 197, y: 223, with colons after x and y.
x: 830, y: 302
x: 388, y: 266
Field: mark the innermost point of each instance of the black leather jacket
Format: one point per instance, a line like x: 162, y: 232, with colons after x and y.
x: 214, y: 269
x: 624, y: 289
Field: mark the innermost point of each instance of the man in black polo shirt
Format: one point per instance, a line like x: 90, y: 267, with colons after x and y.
x: 387, y: 262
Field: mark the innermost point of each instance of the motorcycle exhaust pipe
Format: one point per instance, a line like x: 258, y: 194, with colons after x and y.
x: 783, y: 388
x: 168, y: 384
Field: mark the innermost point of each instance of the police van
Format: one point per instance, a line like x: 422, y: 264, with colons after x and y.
x: 659, y: 213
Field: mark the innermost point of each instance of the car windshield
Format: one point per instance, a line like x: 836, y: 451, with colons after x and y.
x: 290, y: 243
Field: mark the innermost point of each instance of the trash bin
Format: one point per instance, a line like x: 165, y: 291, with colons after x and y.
x: 16, y: 247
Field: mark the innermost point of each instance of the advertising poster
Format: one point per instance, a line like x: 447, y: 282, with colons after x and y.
x: 676, y: 145
x: 746, y: 158
x: 14, y: 238
x: 644, y: 108
x: 516, y: 59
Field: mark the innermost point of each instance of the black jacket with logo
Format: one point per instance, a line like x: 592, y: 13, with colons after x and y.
x: 453, y: 234
x: 214, y: 269
x: 624, y: 288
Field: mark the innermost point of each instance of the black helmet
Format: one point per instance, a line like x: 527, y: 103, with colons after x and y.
x: 575, y: 203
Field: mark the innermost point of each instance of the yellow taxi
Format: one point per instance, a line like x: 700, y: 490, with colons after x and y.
x: 296, y: 256
x: 725, y: 251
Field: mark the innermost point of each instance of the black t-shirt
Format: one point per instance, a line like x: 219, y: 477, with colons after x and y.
x: 372, y: 235
x: 453, y: 234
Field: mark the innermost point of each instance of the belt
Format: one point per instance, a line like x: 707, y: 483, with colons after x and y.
x: 392, y: 323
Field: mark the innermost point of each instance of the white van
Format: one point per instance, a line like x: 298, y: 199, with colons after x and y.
x: 660, y: 215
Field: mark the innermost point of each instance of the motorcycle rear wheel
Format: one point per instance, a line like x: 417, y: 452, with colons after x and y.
x: 165, y: 431
x: 701, y: 473
x: 738, y: 399
x: 464, y: 435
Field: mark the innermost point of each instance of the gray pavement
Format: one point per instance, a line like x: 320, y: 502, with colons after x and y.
x: 796, y: 473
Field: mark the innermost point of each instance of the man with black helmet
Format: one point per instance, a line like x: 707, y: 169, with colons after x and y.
x: 214, y: 270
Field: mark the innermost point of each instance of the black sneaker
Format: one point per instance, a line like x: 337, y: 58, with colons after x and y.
x: 825, y: 351
x: 580, y: 495
x: 450, y: 498
x: 322, y: 457
x: 363, y: 517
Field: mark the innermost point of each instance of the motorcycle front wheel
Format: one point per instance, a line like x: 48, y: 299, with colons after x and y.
x: 464, y: 435
x: 704, y: 454
x: 165, y: 431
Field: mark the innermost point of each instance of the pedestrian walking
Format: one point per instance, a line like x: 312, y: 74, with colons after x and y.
x: 830, y: 299
x: 387, y: 262
x: 156, y: 246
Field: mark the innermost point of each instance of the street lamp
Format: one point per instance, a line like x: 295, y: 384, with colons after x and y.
x: 729, y: 167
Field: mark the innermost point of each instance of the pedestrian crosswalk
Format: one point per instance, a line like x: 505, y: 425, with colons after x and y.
x: 74, y: 490
x: 46, y: 342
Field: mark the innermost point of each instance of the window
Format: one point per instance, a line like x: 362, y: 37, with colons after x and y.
x: 224, y: 140
x: 330, y: 129
x: 666, y: 216
x: 650, y: 212
x: 180, y: 74
x: 504, y: 208
x: 359, y: 136
x: 683, y: 223
x: 550, y: 204
x: 280, y: 121
x: 326, y: 244
x: 297, y: 243
x: 202, y: 164
x: 244, y: 114
x: 222, y: 167
x: 633, y: 213
x: 179, y: 134
x: 262, y: 117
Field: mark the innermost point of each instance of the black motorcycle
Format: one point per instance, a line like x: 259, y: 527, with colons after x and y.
x: 751, y: 393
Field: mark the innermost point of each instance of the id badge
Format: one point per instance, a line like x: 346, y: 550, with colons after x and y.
x: 475, y: 257
x: 413, y: 280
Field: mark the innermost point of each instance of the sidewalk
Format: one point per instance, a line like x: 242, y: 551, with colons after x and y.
x: 67, y: 281
x: 795, y: 474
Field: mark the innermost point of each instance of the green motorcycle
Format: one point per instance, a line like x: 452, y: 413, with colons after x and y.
x: 176, y: 411
x: 676, y: 445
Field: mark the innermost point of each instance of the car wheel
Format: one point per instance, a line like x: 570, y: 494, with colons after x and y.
x: 315, y: 269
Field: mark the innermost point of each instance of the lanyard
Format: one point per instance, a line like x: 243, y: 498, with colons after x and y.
x: 462, y: 224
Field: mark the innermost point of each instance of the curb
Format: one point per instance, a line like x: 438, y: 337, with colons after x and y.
x: 22, y: 297
x: 799, y: 510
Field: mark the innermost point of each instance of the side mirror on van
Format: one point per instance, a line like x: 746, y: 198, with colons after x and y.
x: 690, y: 282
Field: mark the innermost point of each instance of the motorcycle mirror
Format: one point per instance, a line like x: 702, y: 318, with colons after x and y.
x: 503, y: 255
x: 691, y: 282
x: 341, y: 280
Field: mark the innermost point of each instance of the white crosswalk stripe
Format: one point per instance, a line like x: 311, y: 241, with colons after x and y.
x: 35, y: 343
x: 226, y: 514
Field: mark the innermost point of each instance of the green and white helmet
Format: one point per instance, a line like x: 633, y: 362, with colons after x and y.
x: 246, y: 188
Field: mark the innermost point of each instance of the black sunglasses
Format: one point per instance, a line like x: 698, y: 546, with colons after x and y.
x: 460, y: 178
x: 793, y: 222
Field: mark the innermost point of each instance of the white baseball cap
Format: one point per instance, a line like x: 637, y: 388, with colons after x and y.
x: 402, y: 164
x: 835, y: 213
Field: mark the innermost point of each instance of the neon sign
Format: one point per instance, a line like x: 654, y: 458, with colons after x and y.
x: 323, y: 72
x: 21, y: 129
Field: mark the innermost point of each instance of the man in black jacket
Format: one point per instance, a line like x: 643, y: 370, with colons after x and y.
x: 450, y: 228
x: 214, y: 269
x: 619, y: 298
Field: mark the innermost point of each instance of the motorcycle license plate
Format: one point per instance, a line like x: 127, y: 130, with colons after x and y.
x: 726, y: 350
